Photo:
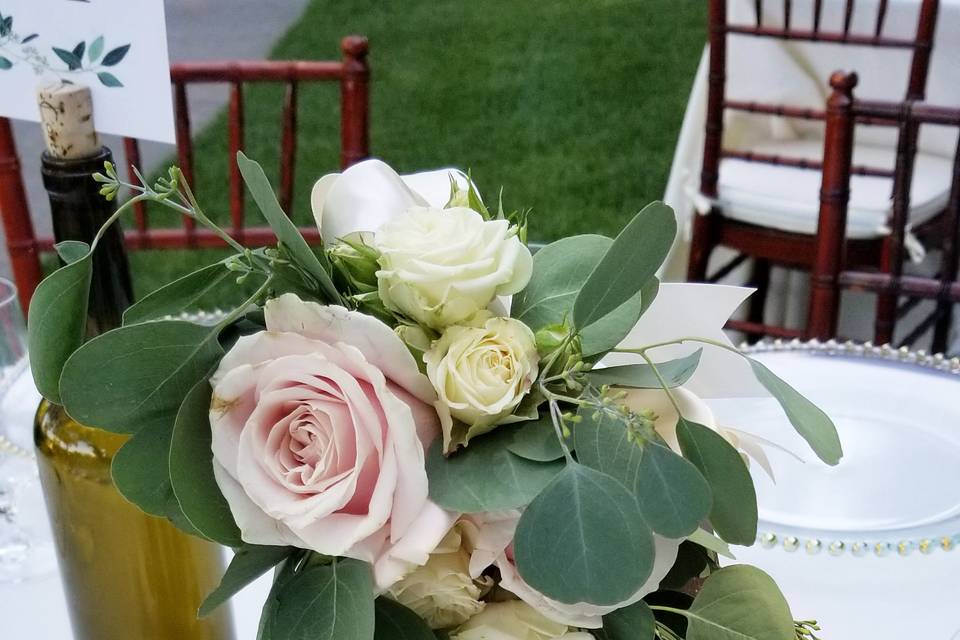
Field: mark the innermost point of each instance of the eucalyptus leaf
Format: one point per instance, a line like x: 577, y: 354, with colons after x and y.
x: 602, y: 444
x: 559, y: 271
x: 71, y: 250
x: 610, y: 330
x: 486, y: 476
x: 326, y: 602
x: 673, y: 496
x: 249, y: 563
x: 106, y: 384
x: 632, y: 259
x: 537, y: 440
x: 140, y: 471
x: 739, y: 602
x: 183, y: 294
x: 641, y: 376
x: 57, y: 321
x: 807, y: 418
x: 635, y: 622
x: 583, y: 539
x: 734, y: 510
x: 284, y: 229
x: 396, y: 622
x: 191, y: 470
x: 711, y: 542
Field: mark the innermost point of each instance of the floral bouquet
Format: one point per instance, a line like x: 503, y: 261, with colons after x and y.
x: 426, y: 431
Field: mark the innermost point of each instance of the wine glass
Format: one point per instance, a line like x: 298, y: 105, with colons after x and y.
x: 26, y: 547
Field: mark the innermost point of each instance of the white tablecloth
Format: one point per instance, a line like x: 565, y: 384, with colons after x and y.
x: 769, y: 70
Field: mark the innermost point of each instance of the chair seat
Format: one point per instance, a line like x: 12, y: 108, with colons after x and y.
x: 788, y: 198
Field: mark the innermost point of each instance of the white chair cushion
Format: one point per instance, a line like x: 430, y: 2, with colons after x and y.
x: 788, y: 198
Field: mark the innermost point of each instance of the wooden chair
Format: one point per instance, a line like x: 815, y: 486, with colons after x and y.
x: 352, y: 73
x: 832, y: 271
x: 750, y: 228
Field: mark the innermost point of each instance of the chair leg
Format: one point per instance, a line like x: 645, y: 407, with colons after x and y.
x: 702, y: 244
x: 759, y: 279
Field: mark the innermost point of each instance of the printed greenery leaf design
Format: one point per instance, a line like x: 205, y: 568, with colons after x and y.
x: 56, y: 323
x: 537, y: 440
x: 108, y: 79
x: 95, y: 50
x: 565, y: 547
x: 635, y: 622
x: 328, y: 602
x: 79, y: 50
x: 807, y: 418
x: 191, y: 470
x: 29, y: 38
x: 126, y: 396
x: 114, y: 56
x: 739, y: 603
x: 6, y: 25
x: 396, y: 622
x: 641, y: 376
x: 632, y: 259
x: 486, y: 476
x: 734, y: 510
x: 5, y: 63
x: 72, y: 61
x: 249, y: 563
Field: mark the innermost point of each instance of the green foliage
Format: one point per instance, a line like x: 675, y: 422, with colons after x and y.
x: 673, y: 496
x: 325, y: 602
x: 739, y: 603
x: 184, y: 294
x: 286, y: 231
x: 537, y: 440
x: 141, y: 473
x: 249, y: 563
x: 560, y: 270
x: 807, y: 418
x: 610, y: 330
x: 734, y: 511
x: 603, y: 444
x: 57, y: 321
x: 396, y: 622
x: 641, y: 376
x: 632, y: 259
x: 486, y: 476
x: 563, y: 545
x: 635, y: 622
x: 191, y: 470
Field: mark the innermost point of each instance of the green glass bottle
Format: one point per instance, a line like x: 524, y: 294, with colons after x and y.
x: 127, y: 575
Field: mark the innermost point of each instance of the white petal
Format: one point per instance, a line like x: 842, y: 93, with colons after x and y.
x: 434, y: 186
x: 684, y: 310
x: 362, y: 198
x: 318, y: 196
x: 256, y: 527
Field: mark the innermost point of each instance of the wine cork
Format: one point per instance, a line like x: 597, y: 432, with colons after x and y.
x: 66, y: 117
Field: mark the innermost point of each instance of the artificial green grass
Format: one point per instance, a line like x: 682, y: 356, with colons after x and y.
x: 572, y: 106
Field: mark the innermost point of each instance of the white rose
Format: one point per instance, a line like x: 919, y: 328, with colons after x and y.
x: 514, y: 620
x: 369, y: 194
x: 481, y: 374
x: 441, y: 266
x: 442, y: 591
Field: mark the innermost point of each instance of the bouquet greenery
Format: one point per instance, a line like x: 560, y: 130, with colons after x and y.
x: 426, y: 430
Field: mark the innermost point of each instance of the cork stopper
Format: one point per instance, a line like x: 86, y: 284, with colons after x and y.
x: 66, y: 117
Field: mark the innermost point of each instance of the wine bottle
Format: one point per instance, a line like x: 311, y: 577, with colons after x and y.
x: 126, y: 574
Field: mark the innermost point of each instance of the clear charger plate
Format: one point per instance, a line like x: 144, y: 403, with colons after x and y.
x: 868, y: 547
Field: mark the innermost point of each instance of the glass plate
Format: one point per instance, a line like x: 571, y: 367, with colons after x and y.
x: 869, y: 547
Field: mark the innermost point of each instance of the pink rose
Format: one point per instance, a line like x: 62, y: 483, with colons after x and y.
x: 491, y: 535
x: 319, y: 429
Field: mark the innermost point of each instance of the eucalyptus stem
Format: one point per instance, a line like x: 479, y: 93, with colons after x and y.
x: 242, y: 308
x: 662, y: 381
x: 556, y: 419
x: 666, y: 633
x: 667, y: 343
x: 116, y: 216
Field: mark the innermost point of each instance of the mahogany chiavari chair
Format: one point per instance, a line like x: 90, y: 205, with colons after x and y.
x: 833, y: 272
x: 729, y: 224
x: 352, y: 74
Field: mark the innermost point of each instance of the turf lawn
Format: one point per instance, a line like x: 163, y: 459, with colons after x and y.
x: 572, y: 106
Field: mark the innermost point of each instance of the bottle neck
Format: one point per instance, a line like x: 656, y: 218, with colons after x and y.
x: 78, y: 211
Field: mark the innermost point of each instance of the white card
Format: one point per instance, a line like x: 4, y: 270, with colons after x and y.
x: 116, y: 47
